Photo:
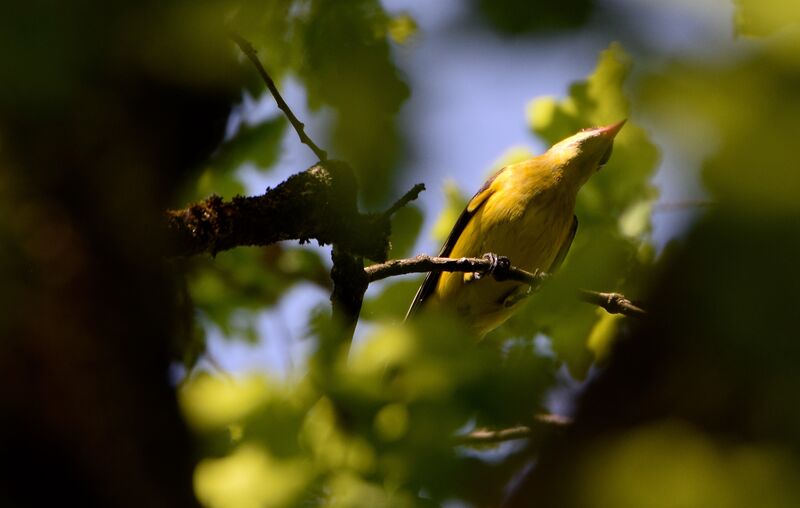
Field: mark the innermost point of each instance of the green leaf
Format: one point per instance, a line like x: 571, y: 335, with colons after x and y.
x: 230, y: 288
x: 406, y: 224
x: 361, y: 84
x: 393, y: 300
x: 455, y: 201
x: 764, y: 17
x: 402, y: 28
x: 744, y: 133
x: 256, y: 144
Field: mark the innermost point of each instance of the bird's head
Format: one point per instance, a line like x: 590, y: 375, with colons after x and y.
x: 585, y: 152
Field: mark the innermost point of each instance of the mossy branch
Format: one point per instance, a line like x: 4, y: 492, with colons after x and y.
x: 316, y: 204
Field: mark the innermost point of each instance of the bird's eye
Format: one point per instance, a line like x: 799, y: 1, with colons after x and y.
x: 606, y: 156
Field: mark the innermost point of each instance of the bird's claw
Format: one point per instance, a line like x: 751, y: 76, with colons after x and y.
x: 498, y: 267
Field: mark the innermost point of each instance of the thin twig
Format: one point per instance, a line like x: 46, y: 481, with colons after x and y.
x: 554, y: 419
x: 483, y: 437
x: 613, y: 303
x: 488, y: 436
x: 250, y: 52
x: 407, y: 198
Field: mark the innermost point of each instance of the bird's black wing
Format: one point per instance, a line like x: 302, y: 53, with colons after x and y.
x: 562, y: 252
x: 432, y: 279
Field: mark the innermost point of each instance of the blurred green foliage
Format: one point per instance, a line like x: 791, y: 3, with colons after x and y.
x: 381, y: 422
x: 750, y: 124
x: 693, y: 406
x: 235, y: 283
x: 691, y: 469
x: 377, y: 426
x: 517, y: 17
x: 382, y: 431
x: 765, y: 17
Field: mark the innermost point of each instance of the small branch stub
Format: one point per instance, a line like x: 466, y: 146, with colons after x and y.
x: 613, y: 303
x: 408, y: 197
x: 487, y: 437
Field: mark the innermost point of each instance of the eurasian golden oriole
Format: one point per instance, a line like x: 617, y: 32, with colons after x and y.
x: 524, y: 212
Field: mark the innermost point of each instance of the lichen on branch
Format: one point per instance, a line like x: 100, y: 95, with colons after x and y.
x: 316, y: 204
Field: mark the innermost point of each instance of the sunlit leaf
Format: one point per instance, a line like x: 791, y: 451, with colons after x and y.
x: 332, y: 448
x: 601, y: 338
x: 752, y: 144
x: 350, y: 491
x: 455, y: 201
x: 763, y: 17
x: 402, y: 28
x: 635, y: 221
x: 361, y: 84
x: 251, y: 478
x: 256, y: 144
x: 210, y: 402
x: 391, y: 422
x: 231, y: 287
x: 393, y: 300
x: 406, y: 224
x: 688, y: 469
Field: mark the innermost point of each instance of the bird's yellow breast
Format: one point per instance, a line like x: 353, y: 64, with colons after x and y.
x: 526, y: 217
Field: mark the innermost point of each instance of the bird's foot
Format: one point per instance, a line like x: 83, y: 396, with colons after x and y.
x: 498, y: 267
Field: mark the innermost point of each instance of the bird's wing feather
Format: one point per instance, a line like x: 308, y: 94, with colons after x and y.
x: 429, y: 284
x: 562, y: 251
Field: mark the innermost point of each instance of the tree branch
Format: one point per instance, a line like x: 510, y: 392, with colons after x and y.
x: 319, y: 203
x: 614, y: 303
x: 250, y: 53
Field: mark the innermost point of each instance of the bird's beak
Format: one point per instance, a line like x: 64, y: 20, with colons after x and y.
x: 610, y: 131
x: 607, y: 133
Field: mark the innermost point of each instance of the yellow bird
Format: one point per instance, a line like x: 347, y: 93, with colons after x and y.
x: 524, y: 212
